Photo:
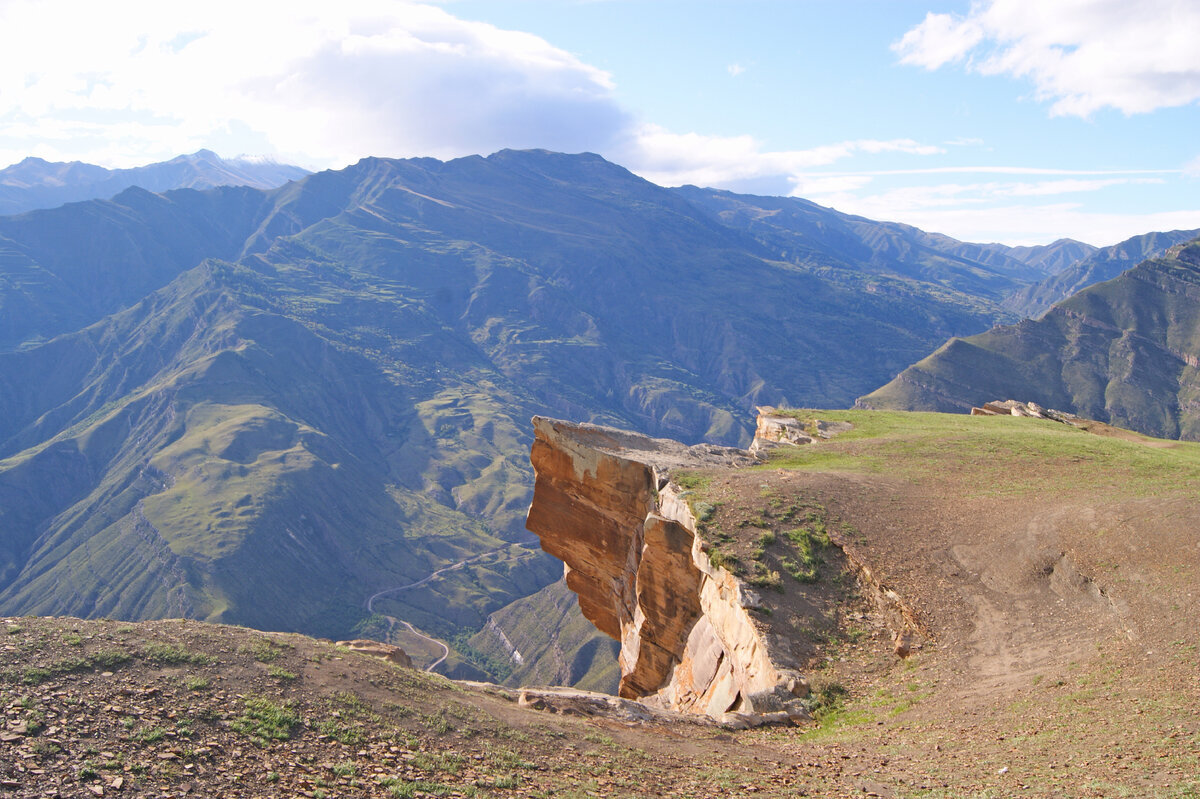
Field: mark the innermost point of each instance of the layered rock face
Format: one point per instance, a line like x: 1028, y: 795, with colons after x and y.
x: 604, y: 504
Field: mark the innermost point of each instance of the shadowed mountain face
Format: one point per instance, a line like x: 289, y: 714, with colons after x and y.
x: 265, y: 406
x: 804, y: 232
x: 1094, y: 267
x: 35, y: 183
x: 1124, y: 352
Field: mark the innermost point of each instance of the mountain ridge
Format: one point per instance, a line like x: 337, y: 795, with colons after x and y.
x: 1124, y: 351
x: 34, y: 183
x: 1097, y: 266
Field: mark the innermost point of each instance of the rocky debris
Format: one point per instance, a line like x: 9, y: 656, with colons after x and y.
x: 183, y: 709
x: 775, y: 428
x: 388, y: 652
x: 1027, y: 409
x: 588, y: 703
x: 605, y: 505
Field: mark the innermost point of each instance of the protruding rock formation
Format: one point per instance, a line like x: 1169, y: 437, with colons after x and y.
x: 776, y: 427
x: 388, y: 652
x: 603, y: 503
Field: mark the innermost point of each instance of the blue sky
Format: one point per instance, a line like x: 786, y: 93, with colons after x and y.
x: 1018, y: 121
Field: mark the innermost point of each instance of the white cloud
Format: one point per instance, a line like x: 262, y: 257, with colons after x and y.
x: 988, y: 211
x: 939, y: 40
x: 332, y: 82
x: 1192, y: 168
x: 673, y: 159
x: 735, y: 69
x: 327, y: 83
x: 1082, y: 55
x: 832, y: 185
x: 1049, y: 187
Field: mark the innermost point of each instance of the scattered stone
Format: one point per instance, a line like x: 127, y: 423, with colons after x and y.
x: 905, y: 643
x: 1026, y: 409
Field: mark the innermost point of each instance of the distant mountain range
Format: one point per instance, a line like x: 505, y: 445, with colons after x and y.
x: 1094, y: 267
x: 1126, y: 352
x: 34, y: 183
x: 264, y: 406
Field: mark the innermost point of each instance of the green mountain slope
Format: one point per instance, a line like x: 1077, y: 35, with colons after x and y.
x: 216, y: 460
x: 1125, y: 352
x: 67, y: 268
x: 1100, y: 265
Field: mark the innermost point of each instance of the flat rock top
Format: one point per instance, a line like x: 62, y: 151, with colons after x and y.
x: 660, y: 453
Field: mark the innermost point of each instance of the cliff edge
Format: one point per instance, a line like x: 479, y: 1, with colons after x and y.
x: 605, y: 504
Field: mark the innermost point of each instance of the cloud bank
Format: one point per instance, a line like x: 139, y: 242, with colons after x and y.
x: 323, y: 84
x: 1081, y: 55
x: 329, y: 82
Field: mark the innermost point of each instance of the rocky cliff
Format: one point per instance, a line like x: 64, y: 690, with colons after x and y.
x: 605, y: 504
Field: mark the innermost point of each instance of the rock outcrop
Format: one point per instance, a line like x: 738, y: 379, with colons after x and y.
x: 605, y: 505
x: 1028, y: 409
x: 389, y: 652
x: 776, y: 427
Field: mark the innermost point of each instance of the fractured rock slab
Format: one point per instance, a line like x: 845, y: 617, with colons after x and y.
x: 604, y: 504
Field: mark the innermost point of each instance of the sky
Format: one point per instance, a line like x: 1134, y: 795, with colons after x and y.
x: 1015, y: 121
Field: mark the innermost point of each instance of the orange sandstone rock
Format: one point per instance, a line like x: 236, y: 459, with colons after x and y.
x: 603, y: 503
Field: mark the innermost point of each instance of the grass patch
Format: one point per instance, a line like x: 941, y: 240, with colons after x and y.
x: 148, y: 735
x: 348, y: 734
x: 404, y: 789
x: 765, y: 578
x: 109, y: 658
x: 720, y: 559
x: 175, y: 655
x: 34, y: 675
x: 808, y: 542
x: 993, y: 453
x: 264, y: 650
x: 264, y: 721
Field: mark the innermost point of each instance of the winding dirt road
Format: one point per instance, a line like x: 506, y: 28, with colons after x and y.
x: 393, y: 621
